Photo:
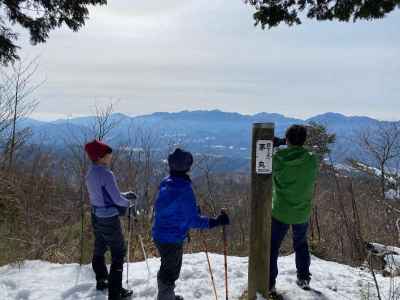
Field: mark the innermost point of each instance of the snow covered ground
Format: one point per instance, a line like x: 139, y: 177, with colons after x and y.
x: 392, y: 194
x: 36, y: 280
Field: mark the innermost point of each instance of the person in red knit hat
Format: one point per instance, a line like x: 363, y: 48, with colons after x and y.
x: 107, y: 205
x: 97, y: 150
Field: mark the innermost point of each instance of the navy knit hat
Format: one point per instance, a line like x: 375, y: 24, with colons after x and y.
x: 180, y: 161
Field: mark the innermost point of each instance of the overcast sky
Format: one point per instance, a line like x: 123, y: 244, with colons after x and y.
x: 206, y: 54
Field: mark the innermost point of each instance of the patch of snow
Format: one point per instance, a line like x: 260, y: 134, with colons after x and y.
x: 392, y: 194
x: 382, y: 248
x: 220, y: 147
x: 46, y: 281
x: 392, y: 263
x: 391, y: 256
x: 378, y: 173
x: 131, y: 149
x: 345, y: 167
x: 260, y: 297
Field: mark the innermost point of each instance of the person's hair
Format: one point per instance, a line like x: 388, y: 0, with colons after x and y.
x: 296, y: 135
x: 108, y: 151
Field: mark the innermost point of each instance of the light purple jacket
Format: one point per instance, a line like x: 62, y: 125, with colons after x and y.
x: 104, y: 194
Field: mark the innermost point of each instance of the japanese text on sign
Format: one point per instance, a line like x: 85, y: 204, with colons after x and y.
x: 264, y: 157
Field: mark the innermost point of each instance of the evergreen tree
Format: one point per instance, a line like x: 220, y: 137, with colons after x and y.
x: 270, y: 13
x: 39, y: 17
x: 319, y: 139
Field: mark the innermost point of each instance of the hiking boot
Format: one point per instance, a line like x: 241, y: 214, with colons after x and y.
x: 303, y: 283
x: 165, y: 291
x: 102, y: 285
x: 125, y: 294
x: 273, y: 294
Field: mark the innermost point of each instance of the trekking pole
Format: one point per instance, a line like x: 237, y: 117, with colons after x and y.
x: 225, y: 260
x: 140, y: 237
x: 209, y: 265
x: 129, y: 245
x: 145, y: 256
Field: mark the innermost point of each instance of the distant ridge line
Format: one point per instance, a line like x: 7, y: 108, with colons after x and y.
x: 216, y: 113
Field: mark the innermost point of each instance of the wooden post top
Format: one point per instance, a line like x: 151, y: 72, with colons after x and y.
x: 264, y: 125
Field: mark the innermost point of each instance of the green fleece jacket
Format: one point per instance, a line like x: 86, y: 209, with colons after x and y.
x: 294, y: 174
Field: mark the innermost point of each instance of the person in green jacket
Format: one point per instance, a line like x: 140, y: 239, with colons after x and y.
x: 294, y: 175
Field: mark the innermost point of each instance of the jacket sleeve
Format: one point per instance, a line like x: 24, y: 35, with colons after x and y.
x: 194, y: 220
x: 110, y: 184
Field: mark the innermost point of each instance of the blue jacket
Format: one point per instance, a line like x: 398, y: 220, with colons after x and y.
x: 176, y: 211
x: 104, y: 194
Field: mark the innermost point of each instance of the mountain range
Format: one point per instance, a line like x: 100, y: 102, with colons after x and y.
x: 213, y: 132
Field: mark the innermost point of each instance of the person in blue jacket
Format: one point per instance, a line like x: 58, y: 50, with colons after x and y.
x: 107, y: 205
x: 176, y: 212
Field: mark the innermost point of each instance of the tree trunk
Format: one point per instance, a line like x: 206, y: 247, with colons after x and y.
x: 14, y: 127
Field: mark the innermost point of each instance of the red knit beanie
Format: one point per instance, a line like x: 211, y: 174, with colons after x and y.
x: 96, y: 150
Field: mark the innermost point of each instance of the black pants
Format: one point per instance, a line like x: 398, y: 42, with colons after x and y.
x: 171, y: 264
x: 300, y: 246
x: 108, y: 235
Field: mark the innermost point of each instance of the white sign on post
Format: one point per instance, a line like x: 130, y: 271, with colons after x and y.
x: 264, y: 156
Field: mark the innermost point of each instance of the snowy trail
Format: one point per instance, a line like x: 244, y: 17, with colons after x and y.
x: 46, y: 281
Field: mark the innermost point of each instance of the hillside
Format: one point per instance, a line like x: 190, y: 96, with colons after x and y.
x: 45, y: 281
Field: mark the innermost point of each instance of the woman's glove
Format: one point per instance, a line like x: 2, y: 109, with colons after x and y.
x: 129, y: 195
x: 221, y: 220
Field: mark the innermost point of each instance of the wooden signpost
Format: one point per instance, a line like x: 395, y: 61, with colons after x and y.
x: 261, y: 206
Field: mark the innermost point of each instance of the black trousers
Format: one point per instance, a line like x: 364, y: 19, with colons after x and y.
x: 300, y: 246
x: 171, y: 264
x: 108, y: 235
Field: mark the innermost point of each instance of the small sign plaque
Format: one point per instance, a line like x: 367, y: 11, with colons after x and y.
x: 264, y: 157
